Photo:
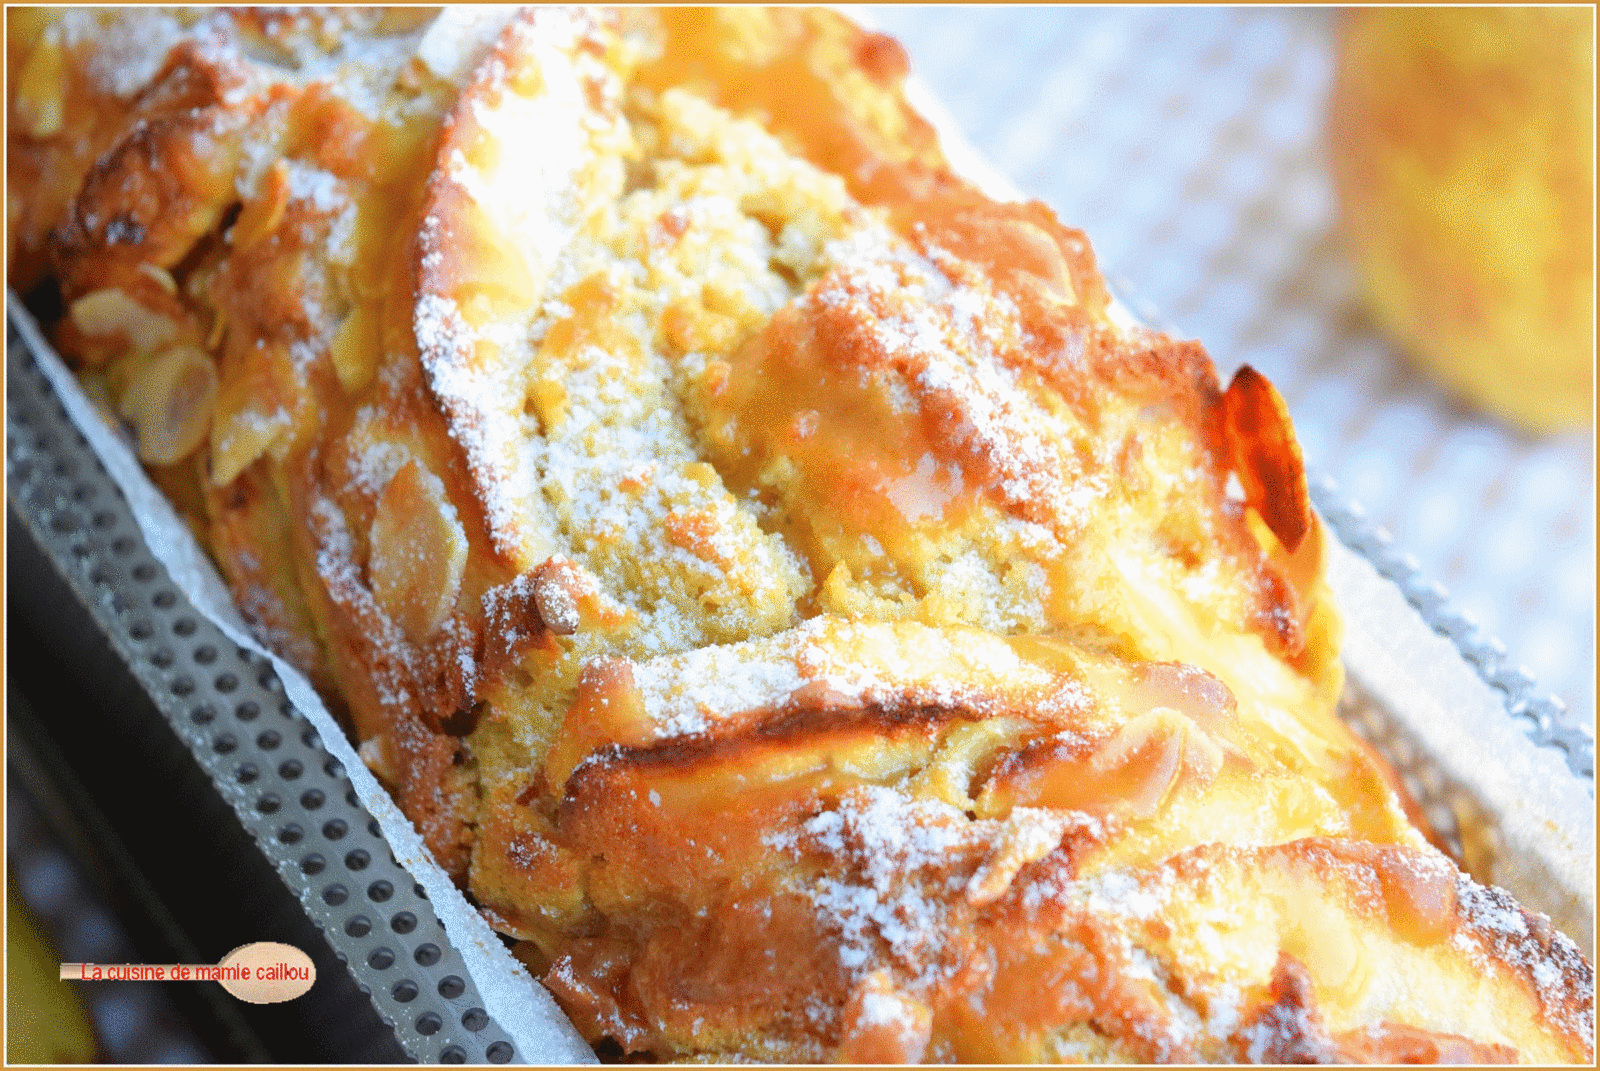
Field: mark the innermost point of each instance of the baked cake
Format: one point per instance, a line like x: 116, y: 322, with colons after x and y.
x: 797, y: 608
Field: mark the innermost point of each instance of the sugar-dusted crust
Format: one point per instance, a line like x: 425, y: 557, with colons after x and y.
x: 778, y: 590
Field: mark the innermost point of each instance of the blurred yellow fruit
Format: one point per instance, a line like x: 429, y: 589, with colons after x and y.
x: 1462, y: 151
x: 45, y: 1021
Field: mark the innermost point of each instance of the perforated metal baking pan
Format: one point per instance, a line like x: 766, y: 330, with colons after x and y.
x: 255, y: 750
x: 265, y: 760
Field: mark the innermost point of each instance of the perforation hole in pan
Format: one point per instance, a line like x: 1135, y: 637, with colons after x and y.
x: 263, y: 757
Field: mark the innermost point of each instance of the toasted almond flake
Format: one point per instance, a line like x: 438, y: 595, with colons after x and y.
x: 355, y: 349
x: 419, y: 552
x: 169, y: 401
x: 160, y: 276
x: 261, y: 215
x: 240, y: 436
x: 113, y: 311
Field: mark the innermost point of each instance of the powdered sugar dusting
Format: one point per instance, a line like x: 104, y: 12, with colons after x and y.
x: 890, y: 666
x: 621, y: 470
x: 454, y: 41
x: 320, y: 189
x: 125, y: 49
x: 685, y: 696
x: 1497, y: 930
x: 377, y: 462
x: 1280, y: 1033
x: 883, y: 1009
x: 948, y: 340
x: 335, y: 563
x: 896, y: 845
x: 549, y: 147
x: 1123, y: 894
x: 446, y: 345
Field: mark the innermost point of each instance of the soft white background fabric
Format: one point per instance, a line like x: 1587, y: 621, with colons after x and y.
x: 1188, y: 143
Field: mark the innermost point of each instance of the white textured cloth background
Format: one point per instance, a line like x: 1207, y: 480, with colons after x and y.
x: 1187, y: 142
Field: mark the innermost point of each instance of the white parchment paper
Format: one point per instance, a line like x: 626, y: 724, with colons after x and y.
x: 1543, y: 812
x: 522, y: 1007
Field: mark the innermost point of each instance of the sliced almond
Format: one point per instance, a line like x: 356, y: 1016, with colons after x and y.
x: 372, y: 754
x: 558, y: 593
x: 160, y: 276
x: 169, y: 400
x: 355, y: 349
x: 261, y: 215
x: 1029, y: 834
x: 418, y: 552
x: 949, y: 777
x: 1266, y: 455
x: 1152, y: 752
x: 112, y: 311
x: 239, y: 436
x: 1142, y: 761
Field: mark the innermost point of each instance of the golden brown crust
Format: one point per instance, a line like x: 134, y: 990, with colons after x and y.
x: 165, y: 183
x: 764, y: 569
x: 817, y: 81
x: 910, y: 895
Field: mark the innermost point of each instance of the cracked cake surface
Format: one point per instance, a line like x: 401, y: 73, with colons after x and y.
x: 789, y: 599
